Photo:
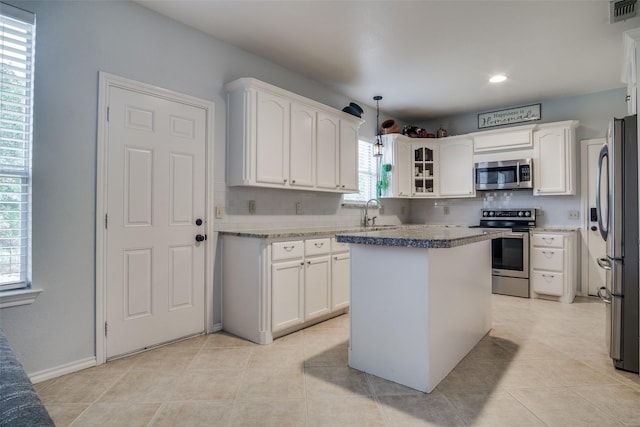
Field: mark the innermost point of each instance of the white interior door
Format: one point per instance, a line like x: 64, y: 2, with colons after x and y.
x: 155, y: 268
x: 594, y: 244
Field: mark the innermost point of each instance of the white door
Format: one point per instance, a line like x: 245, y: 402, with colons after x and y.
x: 155, y: 197
x: 594, y: 244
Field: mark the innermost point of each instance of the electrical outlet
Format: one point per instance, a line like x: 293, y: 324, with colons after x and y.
x: 574, y: 214
x: 402, y: 210
x: 219, y: 212
x: 446, y: 210
x: 381, y: 210
x: 252, y: 206
x: 298, y: 208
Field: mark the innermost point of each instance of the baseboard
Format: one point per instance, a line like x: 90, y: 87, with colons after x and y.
x: 58, y: 371
x: 217, y: 327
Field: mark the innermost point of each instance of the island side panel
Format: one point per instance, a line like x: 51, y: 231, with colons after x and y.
x: 389, y: 313
x: 460, y: 309
x: 415, y: 313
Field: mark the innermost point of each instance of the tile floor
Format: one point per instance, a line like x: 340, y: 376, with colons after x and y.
x: 544, y: 363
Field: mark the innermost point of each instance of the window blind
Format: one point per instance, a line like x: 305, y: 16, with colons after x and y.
x: 366, y: 174
x: 17, y: 31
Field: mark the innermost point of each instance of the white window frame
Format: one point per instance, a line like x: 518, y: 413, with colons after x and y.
x: 17, y: 41
x: 367, y: 175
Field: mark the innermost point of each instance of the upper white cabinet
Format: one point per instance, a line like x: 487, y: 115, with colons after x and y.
x: 629, y: 76
x: 425, y: 180
x: 554, y: 163
x: 281, y: 140
x: 456, y: 167
x: 396, y: 173
x: 503, y: 139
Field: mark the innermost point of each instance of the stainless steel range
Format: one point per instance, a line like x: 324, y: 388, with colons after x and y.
x: 510, y: 253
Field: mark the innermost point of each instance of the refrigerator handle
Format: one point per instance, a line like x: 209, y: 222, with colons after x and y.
x: 606, y: 297
x: 604, y: 230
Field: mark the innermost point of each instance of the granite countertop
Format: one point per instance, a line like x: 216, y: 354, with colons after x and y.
x: 309, y: 231
x: 423, y: 237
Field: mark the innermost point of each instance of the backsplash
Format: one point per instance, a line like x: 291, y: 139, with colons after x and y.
x: 552, y: 211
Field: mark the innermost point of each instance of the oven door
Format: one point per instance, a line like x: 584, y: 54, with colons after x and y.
x: 510, y: 255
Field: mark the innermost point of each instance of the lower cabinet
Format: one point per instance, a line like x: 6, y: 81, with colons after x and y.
x: 553, y: 265
x: 272, y: 288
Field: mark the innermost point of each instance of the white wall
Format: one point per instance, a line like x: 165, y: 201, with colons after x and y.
x: 593, y: 111
x: 76, y: 40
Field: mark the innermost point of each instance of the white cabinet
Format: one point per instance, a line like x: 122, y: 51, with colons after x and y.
x: 503, y: 139
x: 340, y: 275
x: 426, y: 170
x: 348, y: 159
x: 281, y: 140
x: 302, y: 146
x: 553, y: 265
x: 396, y: 173
x: 271, y: 288
x: 328, y: 150
x: 631, y: 39
x: 554, y: 163
x: 456, y: 167
x: 317, y: 278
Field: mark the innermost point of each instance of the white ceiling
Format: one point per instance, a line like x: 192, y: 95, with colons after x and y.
x: 427, y: 58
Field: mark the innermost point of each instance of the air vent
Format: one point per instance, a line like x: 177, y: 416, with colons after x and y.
x: 621, y: 9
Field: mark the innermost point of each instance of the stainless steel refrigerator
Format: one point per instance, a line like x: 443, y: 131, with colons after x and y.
x: 617, y: 208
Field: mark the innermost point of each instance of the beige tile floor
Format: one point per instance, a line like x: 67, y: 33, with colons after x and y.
x: 544, y: 363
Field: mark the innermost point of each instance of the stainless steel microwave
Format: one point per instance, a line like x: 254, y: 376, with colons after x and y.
x: 504, y: 175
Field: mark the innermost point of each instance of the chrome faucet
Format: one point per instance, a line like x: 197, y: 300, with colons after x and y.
x: 366, y: 213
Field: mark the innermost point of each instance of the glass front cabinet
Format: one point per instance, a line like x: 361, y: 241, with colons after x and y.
x: 425, y: 169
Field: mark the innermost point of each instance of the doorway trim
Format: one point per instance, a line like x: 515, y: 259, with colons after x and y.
x: 584, y: 201
x: 106, y: 81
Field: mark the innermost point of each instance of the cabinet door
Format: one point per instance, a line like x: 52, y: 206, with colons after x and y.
x: 403, y: 170
x: 340, y: 277
x: 287, y: 294
x: 327, y: 143
x: 302, y: 145
x: 553, y: 166
x: 317, y: 287
x: 456, y: 168
x: 425, y: 170
x: 348, y: 159
x: 272, y: 138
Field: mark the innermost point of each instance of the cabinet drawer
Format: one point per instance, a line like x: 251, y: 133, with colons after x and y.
x: 287, y: 250
x: 548, y: 240
x: 548, y: 259
x: 317, y: 246
x: 548, y: 283
x: 338, y: 246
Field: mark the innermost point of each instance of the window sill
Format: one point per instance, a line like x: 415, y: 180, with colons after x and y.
x: 357, y: 204
x: 18, y: 297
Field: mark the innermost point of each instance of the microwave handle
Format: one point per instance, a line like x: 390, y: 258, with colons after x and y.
x: 518, y: 174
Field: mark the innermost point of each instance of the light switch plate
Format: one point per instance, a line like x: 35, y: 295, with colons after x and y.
x: 219, y: 212
x: 252, y: 206
x: 574, y: 214
x: 298, y: 208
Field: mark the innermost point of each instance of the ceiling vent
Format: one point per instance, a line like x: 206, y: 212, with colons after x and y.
x: 619, y: 10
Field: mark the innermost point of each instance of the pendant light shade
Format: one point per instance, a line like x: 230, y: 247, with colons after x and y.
x: 377, y: 147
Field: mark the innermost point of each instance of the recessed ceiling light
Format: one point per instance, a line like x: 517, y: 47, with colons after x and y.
x: 498, y: 78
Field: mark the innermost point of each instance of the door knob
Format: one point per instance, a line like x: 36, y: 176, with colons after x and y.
x: 198, y: 222
x: 201, y: 237
x: 594, y: 228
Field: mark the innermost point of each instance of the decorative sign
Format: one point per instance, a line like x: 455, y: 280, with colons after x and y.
x: 509, y: 116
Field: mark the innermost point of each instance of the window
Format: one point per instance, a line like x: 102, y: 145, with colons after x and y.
x: 16, y: 114
x: 367, y: 172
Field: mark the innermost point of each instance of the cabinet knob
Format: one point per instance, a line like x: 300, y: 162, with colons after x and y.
x: 343, y: 186
x: 285, y: 180
x: 293, y: 181
x: 627, y: 98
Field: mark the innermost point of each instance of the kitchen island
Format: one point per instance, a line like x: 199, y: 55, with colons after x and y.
x: 420, y: 300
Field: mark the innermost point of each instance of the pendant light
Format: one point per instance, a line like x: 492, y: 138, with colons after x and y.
x: 377, y: 147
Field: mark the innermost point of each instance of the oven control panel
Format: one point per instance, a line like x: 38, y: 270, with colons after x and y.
x: 508, y: 217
